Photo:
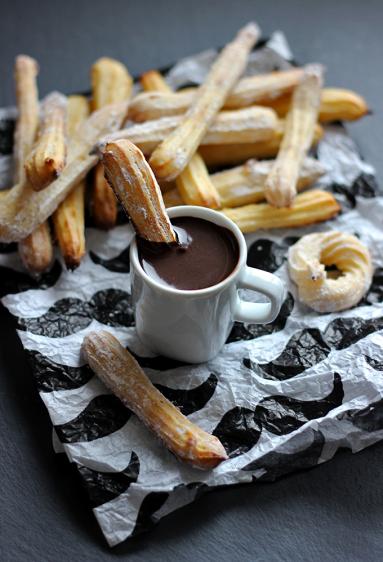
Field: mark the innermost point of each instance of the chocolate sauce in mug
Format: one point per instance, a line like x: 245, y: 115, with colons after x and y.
x: 205, y: 255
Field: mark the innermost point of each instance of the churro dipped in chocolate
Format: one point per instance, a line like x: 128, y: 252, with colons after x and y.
x: 68, y: 219
x: 120, y: 372
x: 281, y: 184
x: 308, y: 208
x: 134, y: 184
x: 175, y: 152
x: 48, y: 157
x: 111, y: 83
x: 249, y: 125
x: 193, y: 183
x: 36, y: 250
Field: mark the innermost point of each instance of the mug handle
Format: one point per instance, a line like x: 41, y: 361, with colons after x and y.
x: 262, y: 282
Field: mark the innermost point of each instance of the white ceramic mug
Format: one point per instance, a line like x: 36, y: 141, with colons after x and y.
x: 192, y: 326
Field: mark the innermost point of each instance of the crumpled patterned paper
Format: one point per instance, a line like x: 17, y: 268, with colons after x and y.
x: 281, y: 397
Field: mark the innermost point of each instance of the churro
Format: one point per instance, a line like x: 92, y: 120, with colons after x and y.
x: 308, y: 208
x: 152, y: 81
x: 193, y: 183
x: 68, y: 219
x: 48, y: 157
x: 111, y: 83
x: 321, y: 290
x: 135, y: 186
x: 281, y: 184
x: 36, y: 250
x: 254, y: 89
x: 121, y: 373
x: 249, y: 125
x: 232, y: 154
x: 174, y: 153
x: 23, y: 209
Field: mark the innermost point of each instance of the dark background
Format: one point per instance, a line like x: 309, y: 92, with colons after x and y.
x: 331, y: 513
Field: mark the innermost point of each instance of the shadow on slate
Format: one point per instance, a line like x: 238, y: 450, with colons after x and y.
x: 104, y: 415
x: 52, y: 376
x: 158, y: 363
x: 13, y: 281
x: 70, y: 315
x: 118, y: 264
x: 277, y: 464
x: 193, y: 399
x: 242, y: 332
x: 368, y: 419
x: 103, y: 487
x: 281, y: 415
x: 7, y: 130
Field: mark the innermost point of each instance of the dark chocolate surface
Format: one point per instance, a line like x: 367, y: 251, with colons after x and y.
x: 205, y: 255
x: 331, y: 513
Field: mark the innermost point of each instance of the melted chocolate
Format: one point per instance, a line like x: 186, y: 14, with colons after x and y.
x: 204, y: 256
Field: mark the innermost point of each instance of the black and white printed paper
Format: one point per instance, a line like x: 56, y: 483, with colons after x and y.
x: 281, y: 397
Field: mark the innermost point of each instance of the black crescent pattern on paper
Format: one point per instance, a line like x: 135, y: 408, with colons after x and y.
x: 104, y: 415
x: 281, y: 415
x: 368, y: 419
x: 308, y: 347
x: 241, y: 331
x: 118, y: 264
x: 103, y: 487
x: 12, y: 281
x: 51, y: 376
x: 70, y: 315
x: 365, y: 186
x: 277, y: 464
x: 238, y: 431
x: 193, y: 399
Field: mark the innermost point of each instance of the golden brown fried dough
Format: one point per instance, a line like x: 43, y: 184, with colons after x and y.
x: 120, y: 372
x: 111, y: 83
x: 134, y: 184
x: 176, y: 151
x: 308, y: 208
x: 48, y: 157
x: 281, y: 184
x: 68, y: 219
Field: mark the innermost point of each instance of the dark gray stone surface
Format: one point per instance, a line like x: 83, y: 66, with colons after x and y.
x: 330, y: 513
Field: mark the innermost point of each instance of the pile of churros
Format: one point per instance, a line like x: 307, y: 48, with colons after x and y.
x: 160, y: 149
x: 263, y: 125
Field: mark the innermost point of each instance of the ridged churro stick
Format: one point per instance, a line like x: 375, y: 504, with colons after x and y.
x: 251, y: 124
x: 244, y: 184
x: 121, y: 373
x: 48, y: 157
x: 232, y: 154
x: 26, y: 70
x: 36, y: 251
x: 22, y: 209
x: 248, y: 91
x: 68, y: 219
x: 193, y: 183
x: 111, y: 83
x: 336, y: 104
x: 308, y: 208
x: 281, y: 184
x: 175, y: 152
x: 134, y: 184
